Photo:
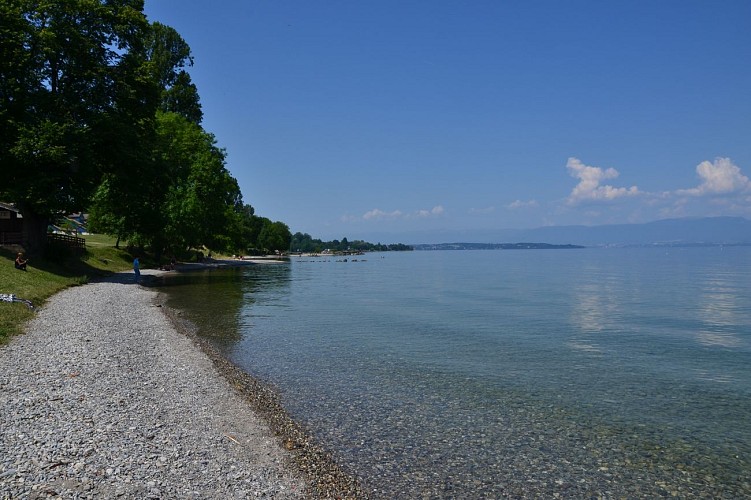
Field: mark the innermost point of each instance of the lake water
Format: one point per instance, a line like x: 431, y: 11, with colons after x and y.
x: 482, y: 374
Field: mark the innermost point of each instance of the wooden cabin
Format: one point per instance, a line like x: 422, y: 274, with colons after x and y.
x: 11, y: 225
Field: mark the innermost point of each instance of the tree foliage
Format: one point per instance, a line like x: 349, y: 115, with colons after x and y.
x: 274, y: 236
x: 98, y: 111
x: 202, y: 199
x: 168, y: 55
x: 186, y: 199
x: 64, y: 69
x: 303, y: 242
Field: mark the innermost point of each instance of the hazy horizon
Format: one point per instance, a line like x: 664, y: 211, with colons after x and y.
x: 713, y: 230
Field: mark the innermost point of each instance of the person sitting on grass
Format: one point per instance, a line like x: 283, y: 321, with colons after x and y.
x: 21, y: 262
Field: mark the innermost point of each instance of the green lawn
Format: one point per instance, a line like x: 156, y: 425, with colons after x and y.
x: 99, y: 240
x: 44, y: 278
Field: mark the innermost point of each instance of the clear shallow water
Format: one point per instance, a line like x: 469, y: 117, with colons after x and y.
x: 490, y: 373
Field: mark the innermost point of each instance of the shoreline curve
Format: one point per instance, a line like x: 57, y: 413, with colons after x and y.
x: 107, y: 395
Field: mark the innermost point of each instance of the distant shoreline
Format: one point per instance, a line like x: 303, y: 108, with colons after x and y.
x: 495, y: 246
x: 547, y: 246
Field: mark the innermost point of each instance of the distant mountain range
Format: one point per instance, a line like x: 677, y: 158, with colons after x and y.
x: 668, y: 232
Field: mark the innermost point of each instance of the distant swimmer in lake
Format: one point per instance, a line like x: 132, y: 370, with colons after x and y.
x: 21, y: 262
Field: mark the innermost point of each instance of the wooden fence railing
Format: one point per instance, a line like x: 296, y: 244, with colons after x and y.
x: 67, y: 240
x: 16, y: 238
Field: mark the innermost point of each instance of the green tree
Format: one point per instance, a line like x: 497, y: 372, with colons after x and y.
x: 201, y: 197
x: 68, y: 70
x: 186, y: 197
x: 249, y: 225
x: 303, y: 242
x: 169, y: 186
x: 274, y: 236
x: 168, y: 55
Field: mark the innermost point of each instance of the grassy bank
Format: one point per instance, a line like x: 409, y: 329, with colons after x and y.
x: 45, y: 277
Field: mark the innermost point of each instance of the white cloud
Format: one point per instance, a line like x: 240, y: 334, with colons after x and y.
x: 436, y: 210
x: 515, y: 205
x: 718, y: 177
x: 377, y: 214
x: 589, y: 188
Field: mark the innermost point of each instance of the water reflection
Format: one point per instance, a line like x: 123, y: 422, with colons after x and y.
x: 596, y: 306
x: 719, y: 313
x: 217, y: 300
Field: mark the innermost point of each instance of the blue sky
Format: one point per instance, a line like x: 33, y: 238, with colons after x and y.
x: 395, y: 119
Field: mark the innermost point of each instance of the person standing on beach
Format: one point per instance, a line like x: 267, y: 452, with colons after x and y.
x: 136, y: 269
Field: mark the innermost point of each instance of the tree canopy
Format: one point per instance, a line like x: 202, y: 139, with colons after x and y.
x: 303, y: 242
x: 98, y: 111
x: 69, y: 71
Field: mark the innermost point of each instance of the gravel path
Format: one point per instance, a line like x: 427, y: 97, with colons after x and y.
x: 103, y: 398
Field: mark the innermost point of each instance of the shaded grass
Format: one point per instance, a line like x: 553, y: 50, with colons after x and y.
x: 45, y: 277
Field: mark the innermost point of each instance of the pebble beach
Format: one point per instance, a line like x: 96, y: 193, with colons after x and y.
x: 106, y: 397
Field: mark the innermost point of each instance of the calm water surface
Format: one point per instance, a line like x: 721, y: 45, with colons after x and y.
x: 493, y: 373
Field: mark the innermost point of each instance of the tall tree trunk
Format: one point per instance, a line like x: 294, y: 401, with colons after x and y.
x: 34, y: 234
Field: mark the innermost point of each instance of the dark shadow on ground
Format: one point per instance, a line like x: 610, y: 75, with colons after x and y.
x: 127, y: 278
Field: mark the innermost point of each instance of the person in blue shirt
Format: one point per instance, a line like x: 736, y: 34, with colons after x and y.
x: 136, y: 269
